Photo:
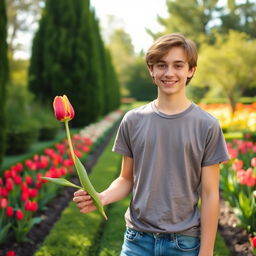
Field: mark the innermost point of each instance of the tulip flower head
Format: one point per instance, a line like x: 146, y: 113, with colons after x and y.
x: 63, y: 110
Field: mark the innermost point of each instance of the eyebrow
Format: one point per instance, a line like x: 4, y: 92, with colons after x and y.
x: 176, y: 61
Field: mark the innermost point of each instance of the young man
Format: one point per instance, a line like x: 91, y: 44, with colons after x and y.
x: 171, y: 154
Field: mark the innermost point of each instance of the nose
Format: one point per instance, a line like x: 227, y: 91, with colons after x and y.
x: 169, y: 71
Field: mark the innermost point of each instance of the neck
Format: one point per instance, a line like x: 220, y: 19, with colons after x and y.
x: 172, y: 105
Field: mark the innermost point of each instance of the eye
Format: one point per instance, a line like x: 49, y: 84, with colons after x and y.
x: 161, y: 65
x: 178, y: 66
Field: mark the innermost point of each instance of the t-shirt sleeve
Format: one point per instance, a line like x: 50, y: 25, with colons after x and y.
x: 215, y: 148
x: 122, y: 144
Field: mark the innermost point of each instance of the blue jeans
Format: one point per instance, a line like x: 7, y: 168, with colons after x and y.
x: 156, y: 244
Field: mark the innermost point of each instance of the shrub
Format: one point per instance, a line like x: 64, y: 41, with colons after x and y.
x: 49, y: 126
x: 22, y: 128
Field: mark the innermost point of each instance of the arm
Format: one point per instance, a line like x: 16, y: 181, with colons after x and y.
x: 119, y: 189
x: 209, y: 208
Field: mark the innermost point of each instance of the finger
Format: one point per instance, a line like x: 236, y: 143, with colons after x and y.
x: 80, y: 193
x: 85, y: 204
x: 79, y: 199
x: 88, y: 209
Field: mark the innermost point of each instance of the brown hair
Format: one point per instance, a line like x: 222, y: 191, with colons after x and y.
x: 164, y: 43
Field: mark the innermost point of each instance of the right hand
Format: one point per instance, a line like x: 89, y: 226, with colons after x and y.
x: 84, y: 201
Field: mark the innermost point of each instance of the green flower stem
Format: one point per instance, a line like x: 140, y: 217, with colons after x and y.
x: 70, y: 142
x: 83, y: 176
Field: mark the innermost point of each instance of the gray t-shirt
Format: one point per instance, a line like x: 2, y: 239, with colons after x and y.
x: 169, y: 152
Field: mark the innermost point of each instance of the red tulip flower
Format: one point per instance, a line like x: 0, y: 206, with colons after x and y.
x: 10, y: 253
x: 31, y: 206
x: 9, y: 211
x: 253, y: 242
x: 19, y: 215
x: 63, y: 110
x: 9, y: 184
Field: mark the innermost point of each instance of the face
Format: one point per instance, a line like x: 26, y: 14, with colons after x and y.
x: 170, y: 73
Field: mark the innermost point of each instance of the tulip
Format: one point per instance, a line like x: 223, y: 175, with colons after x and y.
x: 19, y: 215
x: 9, y: 184
x: 253, y: 162
x: 253, y: 241
x: 237, y: 164
x: 9, y: 211
x: 64, y: 112
x: 10, y: 253
x: 3, y: 202
x: 63, y: 109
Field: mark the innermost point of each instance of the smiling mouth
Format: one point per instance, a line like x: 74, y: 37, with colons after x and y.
x: 169, y: 83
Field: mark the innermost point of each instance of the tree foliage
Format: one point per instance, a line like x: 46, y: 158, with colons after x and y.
x: 140, y: 84
x: 122, y: 50
x: 68, y: 57
x: 229, y: 65
x: 22, y: 14
x: 200, y: 19
x: 3, y: 75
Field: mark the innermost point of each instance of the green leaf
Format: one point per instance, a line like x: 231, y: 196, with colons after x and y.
x: 61, y: 181
x: 87, y: 186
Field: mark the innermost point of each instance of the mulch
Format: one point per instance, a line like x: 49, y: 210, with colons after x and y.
x: 235, y: 237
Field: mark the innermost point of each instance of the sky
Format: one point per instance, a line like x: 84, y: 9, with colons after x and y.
x: 134, y: 16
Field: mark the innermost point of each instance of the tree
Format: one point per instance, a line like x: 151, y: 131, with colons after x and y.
x: 240, y: 16
x: 122, y: 50
x: 140, y: 84
x: 199, y: 19
x: 3, y: 75
x: 67, y: 58
x: 22, y: 14
x: 190, y: 17
x: 229, y: 65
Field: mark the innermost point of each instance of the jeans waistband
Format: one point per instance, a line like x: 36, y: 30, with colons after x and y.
x: 170, y: 236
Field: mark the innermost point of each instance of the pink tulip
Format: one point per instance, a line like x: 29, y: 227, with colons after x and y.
x: 3, y: 203
x: 237, y: 164
x: 253, y: 162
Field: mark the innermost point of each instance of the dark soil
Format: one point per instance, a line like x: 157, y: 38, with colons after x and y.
x: 235, y: 237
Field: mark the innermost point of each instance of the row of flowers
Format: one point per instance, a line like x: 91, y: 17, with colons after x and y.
x: 244, y: 117
x: 238, y: 184
x: 24, y: 195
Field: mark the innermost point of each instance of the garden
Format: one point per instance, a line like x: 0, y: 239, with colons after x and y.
x: 25, y: 198
x: 41, y: 149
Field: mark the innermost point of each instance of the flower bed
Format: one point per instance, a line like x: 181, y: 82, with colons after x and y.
x: 23, y: 194
x: 238, y: 184
x: 238, y: 176
x: 243, y: 119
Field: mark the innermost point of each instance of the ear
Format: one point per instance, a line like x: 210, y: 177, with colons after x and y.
x: 192, y: 71
x: 150, y: 69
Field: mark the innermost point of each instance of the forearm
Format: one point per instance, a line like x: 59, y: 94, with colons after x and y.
x: 119, y: 189
x: 209, y: 223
